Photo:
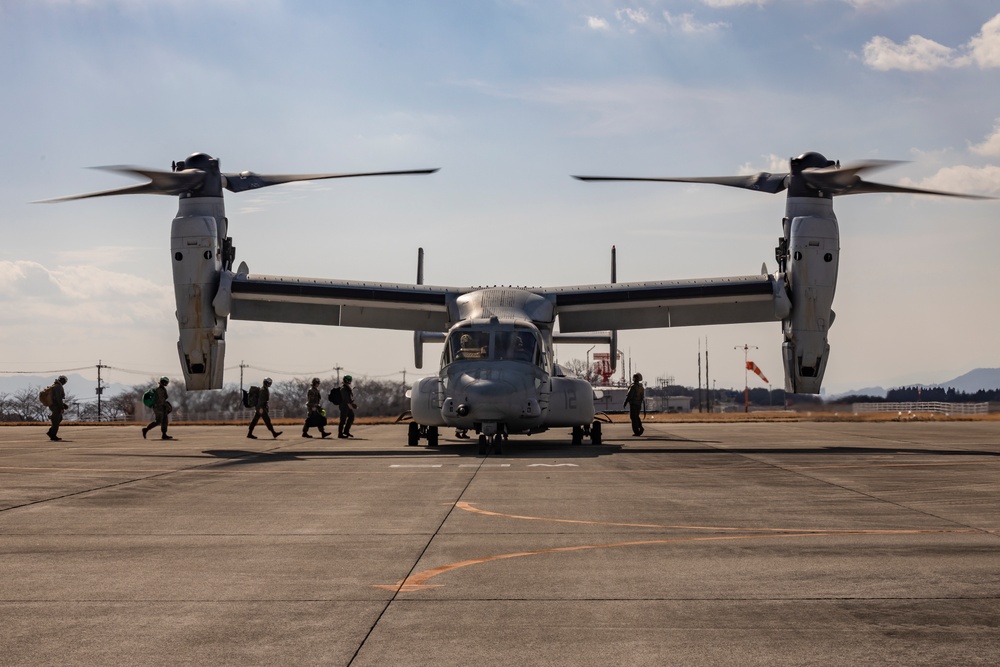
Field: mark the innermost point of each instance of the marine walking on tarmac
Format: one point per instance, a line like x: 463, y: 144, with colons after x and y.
x: 261, y: 410
x: 314, y: 411
x: 347, y: 407
x: 635, y: 399
x: 55, y: 394
x: 161, y: 409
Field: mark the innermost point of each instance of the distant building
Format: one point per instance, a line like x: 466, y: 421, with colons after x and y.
x: 611, y: 399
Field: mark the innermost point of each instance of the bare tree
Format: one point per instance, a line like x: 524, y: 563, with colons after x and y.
x: 578, y: 368
x: 26, y: 407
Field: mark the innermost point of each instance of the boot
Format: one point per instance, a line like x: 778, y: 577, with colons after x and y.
x: 275, y: 434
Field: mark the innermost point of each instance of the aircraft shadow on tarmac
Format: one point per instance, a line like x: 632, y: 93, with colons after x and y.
x: 853, y: 451
x: 518, y: 449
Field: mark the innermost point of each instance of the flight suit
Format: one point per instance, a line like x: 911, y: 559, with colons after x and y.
x: 161, y: 410
x: 58, y: 406
x: 261, y: 413
x: 634, y: 400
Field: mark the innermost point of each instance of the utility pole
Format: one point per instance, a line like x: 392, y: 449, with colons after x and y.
x: 339, y: 368
x: 746, y: 381
x: 100, y: 388
x: 242, y: 366
x: 706, y: 376
x: 699, y: 375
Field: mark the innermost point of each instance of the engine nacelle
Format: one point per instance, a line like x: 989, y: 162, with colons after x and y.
x: 197, y: 260
x: 425, y: 401
x: 813, y: 257
x: 571, y: 403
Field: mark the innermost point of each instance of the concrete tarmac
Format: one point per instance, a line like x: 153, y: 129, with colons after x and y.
x: 696, y: 544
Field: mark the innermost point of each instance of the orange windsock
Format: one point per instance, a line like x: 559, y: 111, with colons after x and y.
x: 751, y: 366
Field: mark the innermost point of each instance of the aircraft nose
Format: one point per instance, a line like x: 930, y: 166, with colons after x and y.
x: 489, y: 399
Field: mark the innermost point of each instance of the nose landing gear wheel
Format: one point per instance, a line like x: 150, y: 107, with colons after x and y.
x: 490, y: 442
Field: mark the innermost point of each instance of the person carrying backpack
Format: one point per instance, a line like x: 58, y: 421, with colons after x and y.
x: 314, y: 414
x: 263, y: 396
x: 347, y: 406
x: 161, y: 408
x: 57, y: 404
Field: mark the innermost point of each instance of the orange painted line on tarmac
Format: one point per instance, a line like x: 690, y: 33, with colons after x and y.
x: 418, y: 581
x: 469, y: 507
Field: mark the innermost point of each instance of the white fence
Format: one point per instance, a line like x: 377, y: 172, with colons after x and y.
x: 928, y: 406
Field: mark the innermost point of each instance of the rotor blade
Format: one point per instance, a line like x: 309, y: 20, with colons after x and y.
x: 837, y: 180
x: 866, y: 187
x: 846, y: 180
x: 160, y: 183
x: 248, y: 180
x: 763, y: 181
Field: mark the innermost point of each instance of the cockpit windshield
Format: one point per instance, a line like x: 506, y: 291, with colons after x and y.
x: 495, y: 345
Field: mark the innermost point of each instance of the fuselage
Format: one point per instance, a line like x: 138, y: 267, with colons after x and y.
x: 497, y: 373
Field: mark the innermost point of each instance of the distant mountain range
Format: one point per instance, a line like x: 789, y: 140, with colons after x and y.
x: 970, y: 383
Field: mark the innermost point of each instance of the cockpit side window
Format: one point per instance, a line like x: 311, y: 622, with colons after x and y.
x: 517, y: 346
x: 469, y: 344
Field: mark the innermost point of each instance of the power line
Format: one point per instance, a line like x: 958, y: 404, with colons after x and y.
x: 58, y: 370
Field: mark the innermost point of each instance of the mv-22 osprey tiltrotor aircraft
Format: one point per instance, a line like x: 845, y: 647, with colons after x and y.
x: 498, y: 374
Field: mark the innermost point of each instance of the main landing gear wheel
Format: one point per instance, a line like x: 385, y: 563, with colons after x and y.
x: 595, y: 433
x: 578, y: 432
x: 416, y: 431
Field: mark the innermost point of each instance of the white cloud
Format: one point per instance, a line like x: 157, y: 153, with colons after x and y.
x: 961, y: 178
x: 687, y: 23
x: 990, y: 145
x: 597, y: 23
x: 919, y: 54
x: 632, y: 18
x: 79, y: 294
x: 985, y: 46
x: 26, y: 279
x: 733, y: 3
x: 772, y: 164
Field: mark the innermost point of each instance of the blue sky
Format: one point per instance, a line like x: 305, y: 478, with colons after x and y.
x: 508, y: 98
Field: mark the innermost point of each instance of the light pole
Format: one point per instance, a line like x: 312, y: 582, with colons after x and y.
x: 746, y: 380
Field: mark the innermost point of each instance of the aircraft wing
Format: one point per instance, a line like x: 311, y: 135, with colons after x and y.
x: 672, y: 303
x: 341, y: 303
